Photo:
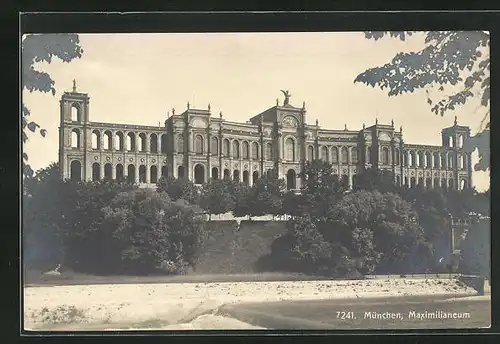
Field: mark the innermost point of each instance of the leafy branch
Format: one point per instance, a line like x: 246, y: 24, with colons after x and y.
x: 38, y: 49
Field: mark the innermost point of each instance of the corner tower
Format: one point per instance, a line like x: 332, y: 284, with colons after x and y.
x: 73, y: 142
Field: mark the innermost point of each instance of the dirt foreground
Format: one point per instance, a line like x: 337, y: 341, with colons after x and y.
x: 192, y: 306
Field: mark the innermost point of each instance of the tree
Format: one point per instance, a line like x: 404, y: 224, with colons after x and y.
x: 398, y: 239
x: 266, y: 196
x: 241, y: 198
x: 147, y: 232
x: 42, y: 48
x: 216, y: 197
x: 375, y: 179
x: 42, y: 226
x: 453, y: 61
x: 475, y: 254
x: 179, y: 188
x: 320, y: 189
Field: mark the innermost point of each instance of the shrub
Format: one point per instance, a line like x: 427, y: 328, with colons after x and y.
x: 151, y: 233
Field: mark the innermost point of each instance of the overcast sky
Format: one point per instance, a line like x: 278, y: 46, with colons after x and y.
x: 137, y: 78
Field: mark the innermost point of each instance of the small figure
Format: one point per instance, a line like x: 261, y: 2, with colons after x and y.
x: 392, y: 123
x: 188, y: 105
x: 345, y: 127
x: 74, y: 85
x: 376, y: 120
x: 317, y: 122
x: 277, y: 102
x: 455, y: 123
x: 173, y: 112
x: 303, y: 105
x: 54, y: 272
x: 401, y: 129
x: 208, y: 106
x: 363, y: 126
x: 220, y: 115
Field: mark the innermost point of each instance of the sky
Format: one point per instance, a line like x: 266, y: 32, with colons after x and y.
x: 138, y: 78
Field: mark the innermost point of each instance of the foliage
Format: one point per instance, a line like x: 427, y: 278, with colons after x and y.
x: 42, y: 206
x: 151, y: 233
x: 39, y: 48
x: 397, y: 236
x: 456, y: 63
x: 216, y: 197
x: 240, y: 193
x: 475, y: 255
x: 375, y: 179
x: 266, y: 196
x: 180, y: 188
x: 320, y: 189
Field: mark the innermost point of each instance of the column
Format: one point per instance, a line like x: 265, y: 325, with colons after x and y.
x: 137, y: 173
x: 101, y: 170
x: 113, y: 171
x: 148, y: 172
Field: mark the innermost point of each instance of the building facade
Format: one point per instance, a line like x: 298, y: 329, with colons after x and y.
x: 197, y: 145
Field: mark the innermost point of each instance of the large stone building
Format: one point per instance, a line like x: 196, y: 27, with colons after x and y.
x: 195, y: 144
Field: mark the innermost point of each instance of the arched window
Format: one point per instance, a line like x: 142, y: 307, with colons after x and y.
x: 75, y: 113
x: 255, y: 176
x: 246, y: 177
x: 269, y: 151
x: 464, y: 162
x: 153, y: 174
x: 310, y: 153
x: 450, y: 160
x: 142, y: 174
x: 335, y: 155
x: 324, y: 153
x: 369, y: 155
x: 164, y: 143
x: 421, y: 159
x: 96, y: 172
x: 214, y: 148
x: 344, y: 155
x: 450, y: 141
x: 428, y: 159
x: 443, y: 160
x: 354, y: 155
x: 131, y: 142
x: 180, y: 143
x: 460, y: 141
x: 96, y: 139
x: 119, y: 144
x: 385, y: 156
x: 405, y: 158
x: 236, y: 149
x: 436, y: 160
x: 226, y: 147
x: 75, y: 138
x: 142, y: 142
x: 198, y: 144
x: 289, y: 149
x: 413, y: 159
x: 108, y: 171
x: 119, y: 172
x: 153, y: 143
x: 246, y: 150
x: 255, y: 150
x: 108, y: 140
x: 131, y: 173
x: 397, y: 158
x: 76, y: 171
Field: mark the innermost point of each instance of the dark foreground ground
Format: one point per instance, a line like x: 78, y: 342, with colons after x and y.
x: 353, y: 314
x: 36, y: 278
